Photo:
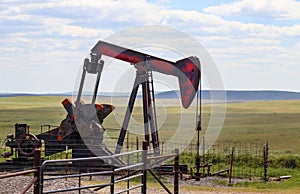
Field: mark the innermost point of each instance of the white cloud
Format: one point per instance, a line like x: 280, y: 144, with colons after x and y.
x: 10, y: 1
x: 16, y: 17
x: 50, y: 33
x: 205, y: 23
x: 77, y: 31
x: 276, y: 9
x: 105, y: 14
x: 113, y: 11
x: 11, y: 10
x: 63, y: 28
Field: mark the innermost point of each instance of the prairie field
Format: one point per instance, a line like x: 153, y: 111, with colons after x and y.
x: 252, y: 122
x: 277, y: 122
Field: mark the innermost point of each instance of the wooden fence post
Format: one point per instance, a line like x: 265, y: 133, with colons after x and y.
x: 266, y: 154
x: 231, y: 165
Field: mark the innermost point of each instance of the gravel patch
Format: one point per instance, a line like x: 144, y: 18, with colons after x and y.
x: 15, y: 185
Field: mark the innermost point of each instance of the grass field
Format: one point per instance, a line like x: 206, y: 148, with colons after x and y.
x: 274, y: 121
x: 277, y: 122
x: 34, y: 111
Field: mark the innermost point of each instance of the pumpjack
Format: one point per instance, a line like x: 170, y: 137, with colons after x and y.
x: 88, y: 117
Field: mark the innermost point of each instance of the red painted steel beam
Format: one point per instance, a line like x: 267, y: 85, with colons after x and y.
x: 187, y: 70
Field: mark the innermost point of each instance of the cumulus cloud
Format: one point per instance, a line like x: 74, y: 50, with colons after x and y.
x: 276, y: 9
x: 55, y: 29
x: 202, y: 23
x: 64, y: 28
x: 98, y: 18
x: 80, y: 18
x: 113, y: 11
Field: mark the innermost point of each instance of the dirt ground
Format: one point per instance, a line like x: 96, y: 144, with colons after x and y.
x: 15, y: 185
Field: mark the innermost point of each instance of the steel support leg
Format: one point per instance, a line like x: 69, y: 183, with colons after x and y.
x: 146, y: 113
x: 127, y: 115
x: 151, y: 117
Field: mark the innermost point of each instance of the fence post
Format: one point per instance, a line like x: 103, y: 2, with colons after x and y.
x: 176, y: 169
x: 137, y: 148
x: 37, y: 166
x: 112, y: 178
x: 144, y: 178
x: 203, y: 151
x: 67, y: 157
x: 266, y: 154
x: 231, y: 165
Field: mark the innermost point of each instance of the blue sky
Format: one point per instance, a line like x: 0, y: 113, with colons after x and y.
x: 255, y: 44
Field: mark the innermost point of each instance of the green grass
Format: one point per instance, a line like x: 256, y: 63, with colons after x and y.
x: 274, y: 121
x: 34, y: 111
x: 283, y: 185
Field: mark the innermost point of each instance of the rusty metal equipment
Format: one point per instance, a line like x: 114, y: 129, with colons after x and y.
x: 24, y: 142
x: 90, y: 116
x: 81, y: 115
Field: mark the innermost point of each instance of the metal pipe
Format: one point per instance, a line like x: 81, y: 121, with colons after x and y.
x: 161, y: 156
x: 18, y: 173
x: 129, y: 189
x: 37, y: 166
x: 160, y: 182
x: 81, y: 82
x: 176, y: 172
x: 198, y: 129
x: 112, y: 177
x: 144, y: 177
x: 97, y: 81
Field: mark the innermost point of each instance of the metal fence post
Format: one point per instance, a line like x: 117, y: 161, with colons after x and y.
x: 137, y: 147
x: 37, y: 166
x: 176, y: 169
x: 112, y: 178
x: 144, y: 177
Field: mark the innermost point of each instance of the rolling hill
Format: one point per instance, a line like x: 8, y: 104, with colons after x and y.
x: 240, y: 95
x: 232, y: 95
